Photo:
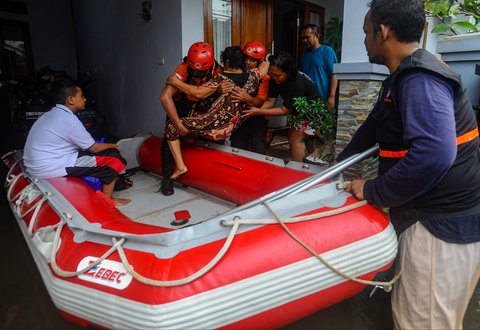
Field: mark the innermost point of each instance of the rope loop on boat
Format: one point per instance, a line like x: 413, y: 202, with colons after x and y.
x: 10, y: 188
x: 20, y: 198
x: 33, y: 219
x: 10, y: 176
x: 386, y: 286
x: 188, y: 279
x: 63, y: 273
x: 35, y: 207
x: 117, y: 246
x: 315, y: 216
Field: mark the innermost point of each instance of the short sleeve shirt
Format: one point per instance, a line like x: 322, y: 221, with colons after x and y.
x: 318, y: 65
x: 302, y: 85
x: 263, y: 88
x: 53, y: 143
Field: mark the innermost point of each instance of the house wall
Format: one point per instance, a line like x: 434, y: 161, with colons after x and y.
x: 128, y: 59
x: 51, y: 34
x: 109, y: 43
x: 462, y: 53
x: 353, y: 49
x: 333, y: 8
x: 192, y: 23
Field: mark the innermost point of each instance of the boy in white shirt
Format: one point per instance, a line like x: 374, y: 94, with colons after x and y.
x: 59, y: 145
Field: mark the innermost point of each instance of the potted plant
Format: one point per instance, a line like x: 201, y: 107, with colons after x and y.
x: 334, y: 34
x: 321, y: 118
x: 454, y: 16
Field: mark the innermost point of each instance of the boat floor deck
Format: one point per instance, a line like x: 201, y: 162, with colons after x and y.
x: 149, y: 206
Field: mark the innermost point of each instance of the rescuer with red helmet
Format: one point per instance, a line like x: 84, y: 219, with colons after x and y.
x: 198, y: 67
x: 252, y: 134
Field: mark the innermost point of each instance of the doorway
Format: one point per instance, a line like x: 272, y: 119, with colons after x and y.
x: 288, y: 18
x: 234, y: 22
x: 16, y: 60
x: 276, y: 23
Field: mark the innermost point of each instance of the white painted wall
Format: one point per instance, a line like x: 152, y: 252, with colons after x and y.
x: 51, y: 33
x: 432, y: 39
x: 353, y: 49
x: 124, y: 55
x: 192, y: 23
x: 333, y: 8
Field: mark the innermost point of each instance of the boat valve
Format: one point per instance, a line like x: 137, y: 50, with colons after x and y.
x: 181, y: 218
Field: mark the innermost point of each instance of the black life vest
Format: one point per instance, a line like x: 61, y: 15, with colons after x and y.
x: 458, y: 192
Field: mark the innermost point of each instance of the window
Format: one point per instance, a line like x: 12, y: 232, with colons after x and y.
x: 222, y: 25
x: 16, y: 58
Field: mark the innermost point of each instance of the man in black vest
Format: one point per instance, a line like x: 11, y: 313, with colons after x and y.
x: 428, y: 169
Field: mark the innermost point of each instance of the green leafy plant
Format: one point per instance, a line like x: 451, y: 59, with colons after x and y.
x: 334, y: 34
x: 317, y: 113
x: 448, y: 12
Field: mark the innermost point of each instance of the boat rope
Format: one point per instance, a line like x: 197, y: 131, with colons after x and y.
x: 314, y: 216
x: 10, y: 188
x: 386, y: 286
x: 33, y: 219
x: 190, y: 278
x: 63, y: 273
x: 117, y: 245
x: 34, y: 206
x: 20, y: 199
x: 9, y: 176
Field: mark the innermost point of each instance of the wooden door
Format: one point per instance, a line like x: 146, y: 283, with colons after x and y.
x: 290, y: 32
x: 251, y: 20
x: 315, y: 15
x: 292, y: 16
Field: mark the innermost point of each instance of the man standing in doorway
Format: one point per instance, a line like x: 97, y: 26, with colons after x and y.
x: 317, y: 63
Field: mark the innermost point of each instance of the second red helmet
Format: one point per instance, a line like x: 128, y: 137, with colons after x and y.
x: 200, y: 56
x: 255, y: 49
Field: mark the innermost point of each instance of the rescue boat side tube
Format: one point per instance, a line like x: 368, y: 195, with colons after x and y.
x: 225, y: 175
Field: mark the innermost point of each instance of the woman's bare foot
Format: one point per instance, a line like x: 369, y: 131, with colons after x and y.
x: 120, y: 201
x: 178, y: 172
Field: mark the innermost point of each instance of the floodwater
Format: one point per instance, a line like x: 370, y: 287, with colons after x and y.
x: 25, y: 304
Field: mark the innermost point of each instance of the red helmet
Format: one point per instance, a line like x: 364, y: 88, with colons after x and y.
x: 255, y: 49
x: 200, y: 56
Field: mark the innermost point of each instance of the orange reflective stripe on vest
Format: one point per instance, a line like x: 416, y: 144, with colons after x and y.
x: 469, y: 136
x: 392, y: 154
x: 464, y: 138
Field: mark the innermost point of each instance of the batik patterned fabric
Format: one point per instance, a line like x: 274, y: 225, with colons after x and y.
x: 223, y: 117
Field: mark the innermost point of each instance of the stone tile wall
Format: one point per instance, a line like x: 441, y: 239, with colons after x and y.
x: 356, y: 99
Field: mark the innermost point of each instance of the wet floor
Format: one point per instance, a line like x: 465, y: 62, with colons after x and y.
x: 25, y: 304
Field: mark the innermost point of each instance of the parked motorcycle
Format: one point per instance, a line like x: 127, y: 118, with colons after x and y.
x: 30, y: 98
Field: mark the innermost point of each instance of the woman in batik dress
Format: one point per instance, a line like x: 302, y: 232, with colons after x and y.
x: 219, y: 122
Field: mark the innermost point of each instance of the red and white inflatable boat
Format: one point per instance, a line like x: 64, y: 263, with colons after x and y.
x: 219, y: 253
